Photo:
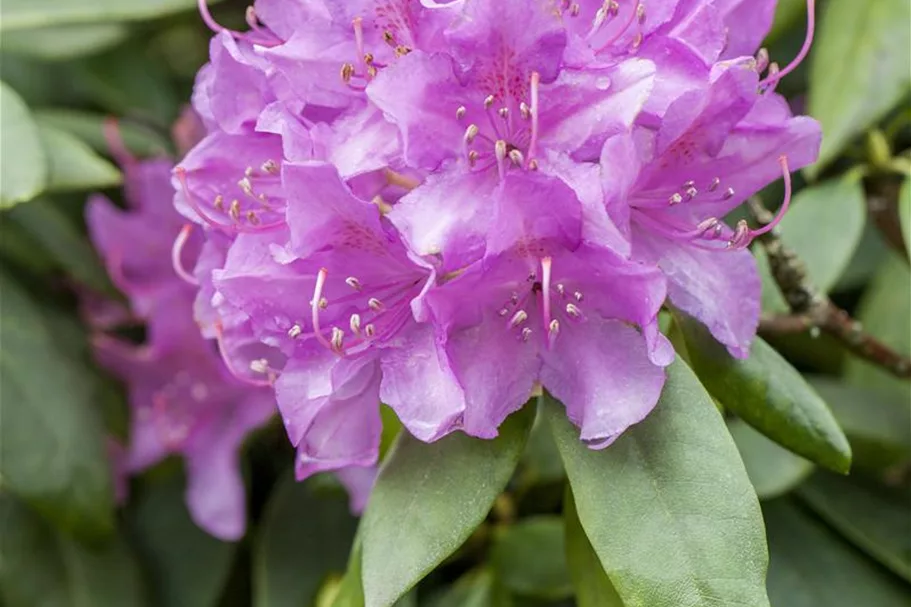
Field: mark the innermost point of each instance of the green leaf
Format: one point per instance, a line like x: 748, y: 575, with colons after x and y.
x: 787, y: 14
x: 22, y: 14
x: 41, y: 567
x: 89, y: 127
x: 111, y: 80
x: 860, y: 69
x: 477, y: 588
x: 67, y: 477
x: 427, y: 501
x: 540, y: 462
x: 24, y: 170
x: 876, y: 422
x: 529, y: 557
x: 904, y: 213
x: 42, y: 220
x: 873, y: 518
x: 287, y: 568
x: 668, y: 507
x: 811, y: 566
x: 186, y: 566
x: 824, y: 227
x: 593, y: 587
x: 57, y: 43
x: 773, y: 470
x: 72, y: 164
x: 885, y: 313
x: 351, y: 588
x: 770, y: 395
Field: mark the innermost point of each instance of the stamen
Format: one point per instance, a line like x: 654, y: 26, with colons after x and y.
x: 370, y: 330
x: 316, y: 305
x: 337, y: 339
x: 112, y: 136
x: 295, y: 331
x: 229, y: 365
x: 355, y: 324
x: 347, y: 72
x: 460, y: 112
x: 271, y: 167
x: 675, y: 198
x: 553, y: 329
x: 634, y: 14
x: 260, y: 365
x: 503, y: 113
x: 762, y: 60
x: 471, y: 132
x: 526, y: 334
x: 176, y: 254
x: 533, y: 109
x: 524, y: 111
x: 403, y: 181
x: 375, y: 304
x: 573, y: 310
x: 546, y: 264
x: 807, y: 43
x: 728, y: 194
x: 714, y: 185
x: 786, y: 203
x: 517, y: 158
x: 207, y: 17
x: 500, y: 151
x: 578, y: 295
x: 353, y: 282
x: 518, y: 318
x: 358, y: 24
x: 488, y: 101
x: 473, y: 157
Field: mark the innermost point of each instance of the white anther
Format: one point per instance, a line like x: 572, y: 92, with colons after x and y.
x: 488, y: 101
x: 248, y: 172
x: 518, y: 318
x: 355, y: 323
x: 691, y: 193
x: 561, y: 289
x: 729, y: 193
x: 260, y: 365
x: 715, y: 183
x: 270, y: 166
x: 323, y: 303
x: 503, y: 112
x: 219, y: 202
x: 514, y: 298
x: 473, y: 157
x: 503, y: 311
x: 554, y: 327
x: 688, y: 184
x: 295, y: 331
x: 526, y: 334
x: 517, y: 158
x: 460, y: 112
x: 369, y: 330
x: 234, y: 211
x: 471, y: 132
x: 500, y: 149
x: 375, y: 304
x: 578, y: 295
x: 353, y: 282
x: 524, y: 111
x: 337, y: 339
x: 533, y: 164
x: 640, y: 13
x: 572, y: 310
x: 675, y: 198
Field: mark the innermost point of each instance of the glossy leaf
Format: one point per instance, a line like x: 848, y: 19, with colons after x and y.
x: 40, y: 566
x: 24, y: 170
x: 668, y: 507
x: 89, y: 127
x: 593, y: 587
x: 885, y: 313
x: 860, y: 69
x: 20, y: 14
x: 68, y: 479
x: 876, y: 422
x: 875, y: 519
x: 904, y: 212
x: 186, y: 566
x: 428, y: 500
x: 770, y: 395
x: 64, y: 42
x: 72, y: 165
x: 474, y: 589
x: 529, y: 557
x: 53, y: 231
x: 773, y: 470
x: 824, y: 227
x: 287, y: 566
x: 811, y: 566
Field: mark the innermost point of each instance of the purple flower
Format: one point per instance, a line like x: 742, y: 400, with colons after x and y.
x: 445, y: 206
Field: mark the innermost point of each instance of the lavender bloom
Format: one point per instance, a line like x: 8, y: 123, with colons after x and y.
x: 449, y: 205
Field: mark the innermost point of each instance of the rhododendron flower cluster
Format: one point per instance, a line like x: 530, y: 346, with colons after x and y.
x: 183, y: 399
x: 446, y: 206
